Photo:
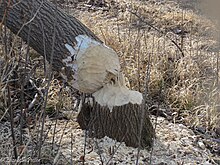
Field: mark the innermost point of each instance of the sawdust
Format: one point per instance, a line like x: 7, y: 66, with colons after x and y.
x: 174, y: 144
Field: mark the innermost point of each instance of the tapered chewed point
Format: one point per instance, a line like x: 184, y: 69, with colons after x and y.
x: 117, y: 94
x: 97, y: 71
x: 93, y: 63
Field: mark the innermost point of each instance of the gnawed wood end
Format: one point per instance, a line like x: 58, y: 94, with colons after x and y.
x: 97, y: 72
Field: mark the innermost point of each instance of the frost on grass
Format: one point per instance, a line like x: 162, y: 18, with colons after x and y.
x: 97, y: 70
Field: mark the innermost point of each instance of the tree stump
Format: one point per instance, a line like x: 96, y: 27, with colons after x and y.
x: 122, y: 124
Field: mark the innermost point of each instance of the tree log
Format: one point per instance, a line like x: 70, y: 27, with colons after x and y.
x: 49, y: 26
x: 44, y: 19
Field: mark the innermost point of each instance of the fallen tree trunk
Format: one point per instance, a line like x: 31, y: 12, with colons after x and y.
x: 44, y: 19
x: 87, y: 63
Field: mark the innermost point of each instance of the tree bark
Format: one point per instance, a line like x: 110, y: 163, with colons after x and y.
x: 122, y: 124
x: 45, y: 20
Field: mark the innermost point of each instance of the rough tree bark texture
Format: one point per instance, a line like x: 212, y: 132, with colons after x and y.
x: 43, y: 19
x: 122, y: 124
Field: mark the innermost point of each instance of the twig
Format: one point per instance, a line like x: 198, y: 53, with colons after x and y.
x: 12, y: 123
x: 217, y: 70
x: 61, y: 138
x: 24, y: 79
x: 33, y: 102
x: 93, y: 117
x: 158, y: 30
x: 99, y: 152
x: 22, y: 109
x: 48, y: 85
x: 86, y: 131
x: 44, y: 46
x: 155, y: 126
x: 143, y: 105
x: 54, y: 129
x: 2, y: 117
x: 71, y: 149
x: 112, y: 155
x: 23, y: 150
x: 96, y: 143
x: 84, y: 147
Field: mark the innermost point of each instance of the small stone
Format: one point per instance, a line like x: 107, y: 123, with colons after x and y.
x: 201, y: 144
